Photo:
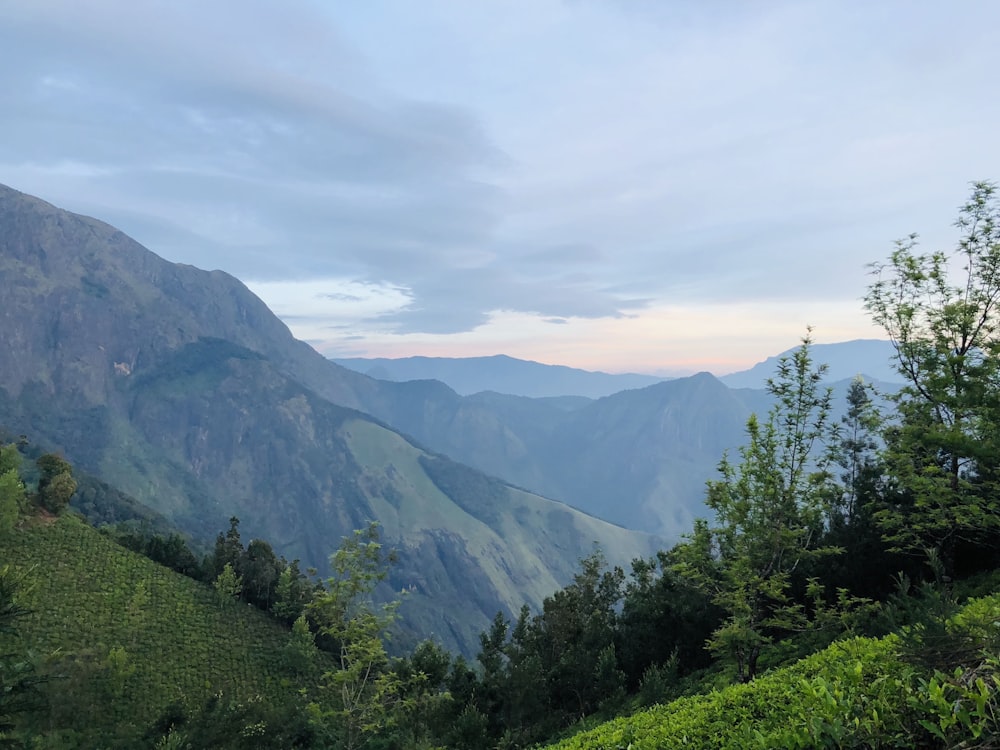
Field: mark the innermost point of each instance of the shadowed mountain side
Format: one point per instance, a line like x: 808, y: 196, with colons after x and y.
x: 639, y: 458
x: 181, y: 388
x: 500, y: 373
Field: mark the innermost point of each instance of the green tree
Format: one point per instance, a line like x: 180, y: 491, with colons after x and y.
x: 292, y: 592
x: 944, y: 449
x: 573, y: 633
x: 301, y: 651
x: 55, y: 482
x: 260, y: 569
x: 361, y: 696
x: 866, y: 567
x: 857, y: 454
x: 228, y: 585
x: 228, y: 548
x: 663, y: 621
x: 769, y: 513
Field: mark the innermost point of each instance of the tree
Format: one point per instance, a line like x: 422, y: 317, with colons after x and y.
x: 363, y: 692
x: 292, y: 593
x: 55, y: 482
x: 664, y: 620
x: 866, y: 566
x: 228, y: 585
x: 857, y: 454
x: 228, y: 548
x: 300, y: 651
x: 260, y: 569
x: 944, y: 449
x: 577, y: 625
x: 769, y: 514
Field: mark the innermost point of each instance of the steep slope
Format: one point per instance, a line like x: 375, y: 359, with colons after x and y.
x: 639, y: 458
x: 87, y: 596
x: 181, y: 388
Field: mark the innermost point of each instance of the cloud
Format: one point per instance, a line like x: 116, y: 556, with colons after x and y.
x: 432, y: 168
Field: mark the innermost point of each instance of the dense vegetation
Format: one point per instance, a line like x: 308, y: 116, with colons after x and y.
x: 825, y: 604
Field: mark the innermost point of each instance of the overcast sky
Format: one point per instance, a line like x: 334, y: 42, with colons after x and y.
x: 658, y: 185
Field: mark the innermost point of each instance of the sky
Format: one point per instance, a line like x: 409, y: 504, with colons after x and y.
x: 658, y: 186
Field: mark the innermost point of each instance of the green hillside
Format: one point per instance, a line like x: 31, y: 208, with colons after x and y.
x: 859, y: 693
x: 124, y: 638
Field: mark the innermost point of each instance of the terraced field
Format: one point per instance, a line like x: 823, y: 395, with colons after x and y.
x: 125, y: 637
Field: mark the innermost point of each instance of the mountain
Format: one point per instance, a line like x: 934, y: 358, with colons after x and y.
x: 180, y: 387
x: 500, y: 373
x: 639, y: 458
x: 872, y: 358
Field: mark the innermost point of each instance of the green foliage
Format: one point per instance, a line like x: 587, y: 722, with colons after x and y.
x: 55, y: 482
x: 228, y: 585
x: 292, y: 593
x: 10, y: 458
x: 944, y: 450
x: 850, y: 695
x: 12, y: 495
x: 11, y: 499
x: 960, y: 700
x: 574, y: 638
x: 224, y: 721
x: 962, y: 709
x: 301, y: 651
x: 360, y: 696
x: 131, y: 637
x: 769, y: 513
x: 121, y: 668
x: 664, y: 621
x: 169, y: 549
x: 857, y: 693
x: 658, y: 682
x: 260, y: 568
x: 19, y: 679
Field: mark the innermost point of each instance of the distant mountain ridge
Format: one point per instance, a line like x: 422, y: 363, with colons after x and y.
x: 871, y: 358
x: 501, y: 374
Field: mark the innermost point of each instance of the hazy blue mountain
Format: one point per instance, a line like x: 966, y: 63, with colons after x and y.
x: 182, y: 389
x: 639, y: 458
x: 500, y: 373
x: 872, y: 358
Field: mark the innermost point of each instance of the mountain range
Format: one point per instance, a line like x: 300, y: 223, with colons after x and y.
x: 500, y: 373
x: 871, y: 358
x: 179, y: 387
